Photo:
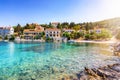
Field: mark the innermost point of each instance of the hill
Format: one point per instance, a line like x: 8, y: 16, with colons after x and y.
x: 110, y: 23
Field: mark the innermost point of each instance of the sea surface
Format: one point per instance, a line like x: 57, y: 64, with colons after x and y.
x: 51, y: 61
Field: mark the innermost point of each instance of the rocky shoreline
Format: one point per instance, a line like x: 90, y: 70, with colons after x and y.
x: 109, y: 72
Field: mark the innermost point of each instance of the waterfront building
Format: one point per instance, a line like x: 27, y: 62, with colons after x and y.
x: 53, y: 33
x: 6, y: 31
x: 30, y: 34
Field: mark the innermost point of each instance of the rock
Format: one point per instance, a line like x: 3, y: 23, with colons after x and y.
x: 109, y: 72
x: 90, y: 72
x: 116, y: 68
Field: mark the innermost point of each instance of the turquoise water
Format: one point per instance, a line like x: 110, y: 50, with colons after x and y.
x: 50, y: 61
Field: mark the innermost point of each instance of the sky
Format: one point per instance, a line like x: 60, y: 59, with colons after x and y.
x: 13, y: 12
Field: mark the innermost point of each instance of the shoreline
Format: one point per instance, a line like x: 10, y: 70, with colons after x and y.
x: 82, y: 41
x: 92, y: 41
x: 108, y: 72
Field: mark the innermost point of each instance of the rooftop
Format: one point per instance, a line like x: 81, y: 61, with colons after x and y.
x: 52, y: 29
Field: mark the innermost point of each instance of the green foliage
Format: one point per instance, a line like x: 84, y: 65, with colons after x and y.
x: 105, y: 34
x: 22, y: 37
x: 0, y: 37
x: 42, y: 34
x: 59, y: 26
x: 87, y: 36
x: 76, y: 28
x: 5, y: 38
x: 72, y: 24
x: 45, y: 25
x: 50, y: 25
x: 65, y: 25
x: 73, y: 35
x: 37, y: 37
x: 12, y: 38
x: 67, y: 35
x: 18, y: 29
x: 29, y: 26
x: 49, y: 39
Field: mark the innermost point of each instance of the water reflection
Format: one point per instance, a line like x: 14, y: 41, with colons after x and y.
x: 45, y: 47
x: 11, y: 48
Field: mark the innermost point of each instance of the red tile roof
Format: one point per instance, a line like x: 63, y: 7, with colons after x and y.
x: 52, y: 29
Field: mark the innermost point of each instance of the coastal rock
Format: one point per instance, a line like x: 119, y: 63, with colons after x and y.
x: 116, y: 49
x: 109, y: 72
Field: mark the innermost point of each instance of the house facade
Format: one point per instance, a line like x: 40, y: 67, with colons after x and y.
x: 53, y: 33
x: 6, y: 31
x: 30, y: 34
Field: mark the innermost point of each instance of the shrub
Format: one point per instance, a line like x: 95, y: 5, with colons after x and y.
x: 12, y: 38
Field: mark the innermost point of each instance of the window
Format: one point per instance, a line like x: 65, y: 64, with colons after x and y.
x: 50, y: 34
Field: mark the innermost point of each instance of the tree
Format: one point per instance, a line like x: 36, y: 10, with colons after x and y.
x: 76, y: 28
x: 12, y: 38
x: 27, y: 26
x: 81, y: 34
x: 72, y: 24
x: 65, y: 25
x: 45, y: 25
x: 67, y: 35
x: 59, y: 26
x: 87, y: 36
x: 0, y: 37
x: 105, y: 34
x: 37, y: 37
x: 17, y: 28
x: 50, y: 25
x: 5, y: 38
x: 88, y: 26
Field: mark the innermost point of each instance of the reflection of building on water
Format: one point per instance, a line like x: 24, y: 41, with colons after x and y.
x: 46, y: 47
x: 11, y: 48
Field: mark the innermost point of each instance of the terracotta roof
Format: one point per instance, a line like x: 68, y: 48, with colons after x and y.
x: 37, y: 29
x: 52, y: 29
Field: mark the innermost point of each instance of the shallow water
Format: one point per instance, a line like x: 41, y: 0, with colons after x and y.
x: 49, y: 61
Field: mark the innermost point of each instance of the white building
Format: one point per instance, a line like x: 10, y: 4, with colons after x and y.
x: 6, y: 31
x: 53, y: 33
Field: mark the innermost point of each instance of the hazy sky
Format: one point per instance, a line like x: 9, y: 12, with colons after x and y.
x: 13, y: 12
